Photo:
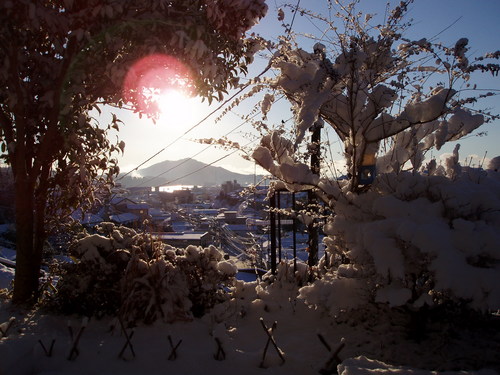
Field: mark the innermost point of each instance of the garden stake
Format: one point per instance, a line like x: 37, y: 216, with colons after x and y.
x: 48, y: 352
x: 173, y: 352
x: 4, y: 331
x: 74, y: 352
x: 331, y: 365
x: 221, y: 354
x: 270, y: 339
x: 128, y: 343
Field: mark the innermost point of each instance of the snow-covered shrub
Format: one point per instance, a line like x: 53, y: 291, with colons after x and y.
x: 120, y: 271
x: 414, y: 235
x: 281, y: 288
x: 415, y: 239
x: 271, y: 293
x: 276, y: 291
x: 176, y: 285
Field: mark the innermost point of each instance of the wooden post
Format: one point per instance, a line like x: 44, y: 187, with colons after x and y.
x: 294, y: 229
x: 315, y: 168
x: 278, y: 205
x: 272, y: 218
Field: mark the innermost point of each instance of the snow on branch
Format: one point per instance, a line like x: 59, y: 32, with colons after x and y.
x: 275, y: 155
x: 413, y: 236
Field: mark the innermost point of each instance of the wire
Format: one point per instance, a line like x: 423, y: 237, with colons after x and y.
x: 197, y: 170
x: 198, y: 153
x: 293, y: 18
x: 203, y: 150
x: 197, y: 124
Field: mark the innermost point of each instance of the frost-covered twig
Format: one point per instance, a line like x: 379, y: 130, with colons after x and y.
x: 331, y: 365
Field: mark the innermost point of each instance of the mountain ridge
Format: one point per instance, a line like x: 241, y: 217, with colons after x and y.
x: 186, y: 172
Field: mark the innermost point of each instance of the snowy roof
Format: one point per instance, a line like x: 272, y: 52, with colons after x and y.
x: 181, y: 236
x: 119, y: 200
x: 123, y: 218
x: 206, y: 211
x: 137, y: 206
x: 265, y: 223
x: 156, y: 212
x: 237, y: 227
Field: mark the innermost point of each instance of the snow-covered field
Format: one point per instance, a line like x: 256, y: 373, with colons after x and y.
x: 232, y: 339
x: 6, y: 255
x: 38, y: 343
x: 6, y: 273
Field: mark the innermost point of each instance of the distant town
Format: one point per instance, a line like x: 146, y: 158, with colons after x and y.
x: 230, y: 216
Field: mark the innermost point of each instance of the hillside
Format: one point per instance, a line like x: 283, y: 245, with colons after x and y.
x: 186, y: 172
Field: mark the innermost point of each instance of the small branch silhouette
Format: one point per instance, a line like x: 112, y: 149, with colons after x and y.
x: 173, y: 351
x: 128, y: 343
x: 270, y: 340
x: 330, y: 366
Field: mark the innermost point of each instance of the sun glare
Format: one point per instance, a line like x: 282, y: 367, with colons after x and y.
x: 159, y: 85
x: 175, y: 107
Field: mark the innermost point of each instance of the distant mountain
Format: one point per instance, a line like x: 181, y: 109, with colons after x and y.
x: 186, y: 172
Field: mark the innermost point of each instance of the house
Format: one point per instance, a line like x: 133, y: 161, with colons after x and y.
x: 126, y: 219
x: 182, y: 196
x: 231, y: 217
x: 124, y: 211
x: 141, y: 210
x: 230, y: 186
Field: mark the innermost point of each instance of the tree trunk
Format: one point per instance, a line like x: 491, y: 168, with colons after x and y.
x: 27, y: 265
x: 39, y: 240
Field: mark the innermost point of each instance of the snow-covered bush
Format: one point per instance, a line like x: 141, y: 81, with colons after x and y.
x: 416, y: 234
x: 415, y: 239
x: 120, y: 271
x: 176, y: 285
x: 270, y: 293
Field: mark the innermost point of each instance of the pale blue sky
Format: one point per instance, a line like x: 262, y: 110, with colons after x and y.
x: 477, y: 20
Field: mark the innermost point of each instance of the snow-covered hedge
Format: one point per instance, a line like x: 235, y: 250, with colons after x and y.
x: 415, y: 239
x: 120, y: 271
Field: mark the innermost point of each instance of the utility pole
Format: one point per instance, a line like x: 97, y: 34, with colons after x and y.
x: 312, y: 229
x: 272, y: 218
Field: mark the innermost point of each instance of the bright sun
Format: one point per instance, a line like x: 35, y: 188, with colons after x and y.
x: 176, y: 108
x: 162, y: 83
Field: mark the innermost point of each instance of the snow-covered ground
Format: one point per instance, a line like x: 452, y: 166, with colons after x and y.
x: 237, y: 326
x: 232, y: 339
x: 6, y: 257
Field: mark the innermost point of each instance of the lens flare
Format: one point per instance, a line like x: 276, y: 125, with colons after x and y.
x: 152, y: 77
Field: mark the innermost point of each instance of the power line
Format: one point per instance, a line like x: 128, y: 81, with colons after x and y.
x: 293, y: 18
x: 204, y: 166
x: 197, y: 124
x: 201, y: 151
x: 193, y: 156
